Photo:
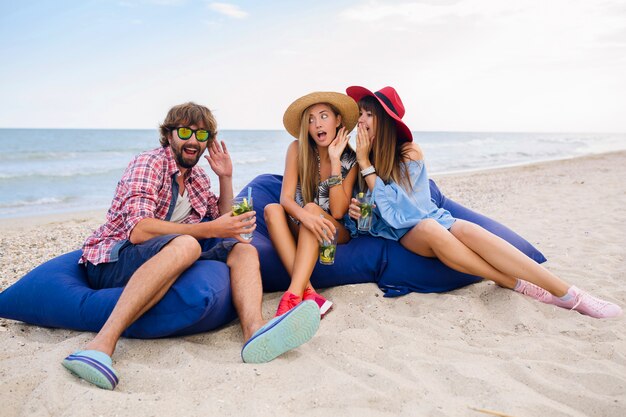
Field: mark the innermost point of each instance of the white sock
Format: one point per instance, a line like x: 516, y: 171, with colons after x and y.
x: 566, y: 297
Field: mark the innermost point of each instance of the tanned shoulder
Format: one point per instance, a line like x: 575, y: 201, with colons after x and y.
x: 292, y: 150
x: 412, y: 151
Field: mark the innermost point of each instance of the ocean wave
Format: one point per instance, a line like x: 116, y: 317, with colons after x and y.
x: 601, y: 147
x: 56, y: 156
x: 51, y: 175
x: 35, y: 156
x: 474, y: 143
x: 248, y: 161
x: 480, y: 142
x: 35, y: 202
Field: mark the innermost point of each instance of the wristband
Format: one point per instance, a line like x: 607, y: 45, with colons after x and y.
x: 367, y: 171
x: 334, y: 180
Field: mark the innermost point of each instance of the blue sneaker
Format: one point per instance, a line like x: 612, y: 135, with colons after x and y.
x: 283, y: 333
x: 93, y: 366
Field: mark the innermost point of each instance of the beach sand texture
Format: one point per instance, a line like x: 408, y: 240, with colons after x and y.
x: 422, y: 354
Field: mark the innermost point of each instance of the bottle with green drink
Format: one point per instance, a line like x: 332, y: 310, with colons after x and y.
x: 327, y: 249
x: 365, y: 221
x: 243, y: 205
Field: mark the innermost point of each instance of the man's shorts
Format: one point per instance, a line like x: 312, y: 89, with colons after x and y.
x: 131, y: 257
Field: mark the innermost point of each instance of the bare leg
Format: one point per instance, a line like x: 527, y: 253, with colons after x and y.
x: 307, y: 251
x: 429, y: 238
x: 247, y: 289
x: 283, y: 234
x: 145, y: 288
x: 506, y: 258
x: 280, y: 234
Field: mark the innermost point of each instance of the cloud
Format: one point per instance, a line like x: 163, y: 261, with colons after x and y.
x: 527, y: 30
x: 605, y: 15
x: 228, y: 9
x: 415, y: 11
x: 136, y: 3
x: 287, y: 52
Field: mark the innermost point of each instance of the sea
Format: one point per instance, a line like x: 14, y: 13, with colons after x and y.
x: 47, y: 171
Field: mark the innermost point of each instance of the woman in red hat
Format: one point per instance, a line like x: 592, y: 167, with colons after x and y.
x: 320, y: 171
x: 392, y: 169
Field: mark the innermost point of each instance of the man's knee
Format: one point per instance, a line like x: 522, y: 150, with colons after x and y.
x: 186, y: 249
x: 243, y: 252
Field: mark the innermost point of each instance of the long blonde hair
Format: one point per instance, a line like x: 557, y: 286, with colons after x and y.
x: 308, y: 170
x: 386, y: 154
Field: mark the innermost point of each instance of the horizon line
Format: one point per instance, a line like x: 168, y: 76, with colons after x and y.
x: 283, y: 130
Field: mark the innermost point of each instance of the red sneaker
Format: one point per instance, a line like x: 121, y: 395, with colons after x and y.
x: 287, y: 302
x: 322, y: 303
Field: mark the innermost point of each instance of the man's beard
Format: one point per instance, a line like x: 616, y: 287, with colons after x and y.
x: 180, y: 158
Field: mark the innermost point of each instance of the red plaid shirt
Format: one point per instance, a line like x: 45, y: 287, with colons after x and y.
x: 145, y: 191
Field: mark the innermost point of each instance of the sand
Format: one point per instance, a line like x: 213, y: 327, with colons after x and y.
x: 480, y: 347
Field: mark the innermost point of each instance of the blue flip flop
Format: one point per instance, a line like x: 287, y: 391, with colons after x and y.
x: 93, y: 366
x: 283, y: 333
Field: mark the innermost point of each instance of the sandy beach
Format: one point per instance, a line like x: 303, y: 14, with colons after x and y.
x: 479, y: 347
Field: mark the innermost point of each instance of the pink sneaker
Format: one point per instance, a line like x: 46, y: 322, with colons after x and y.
x: 287, y: 302
x: 534, y: 291
x: 322, y: 303
x: 589, y: 305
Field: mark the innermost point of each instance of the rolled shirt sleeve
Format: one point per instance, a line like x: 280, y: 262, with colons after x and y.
x: 141, y: 184
x: 402, y: 209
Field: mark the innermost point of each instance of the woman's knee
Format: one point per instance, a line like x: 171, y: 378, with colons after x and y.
x: 272, y: 212
x: 313, y: 208
x: 465, y: 230
x: 432, y: 231
x: 428, y: 227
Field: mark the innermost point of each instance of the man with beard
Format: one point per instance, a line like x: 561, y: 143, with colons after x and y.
x: 163, y: 218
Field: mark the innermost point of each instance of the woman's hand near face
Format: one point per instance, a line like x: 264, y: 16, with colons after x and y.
x: 337, y: 146
x: 363, y: 147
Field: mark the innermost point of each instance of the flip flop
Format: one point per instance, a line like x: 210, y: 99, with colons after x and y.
x: 283, y: 333
x: 93, y: 366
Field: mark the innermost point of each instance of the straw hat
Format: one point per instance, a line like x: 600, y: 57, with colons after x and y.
x: 390, y: 100
x: 347, y: 108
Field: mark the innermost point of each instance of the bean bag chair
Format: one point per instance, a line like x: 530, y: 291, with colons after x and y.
x: 396, y: 270
x: 56, y: 293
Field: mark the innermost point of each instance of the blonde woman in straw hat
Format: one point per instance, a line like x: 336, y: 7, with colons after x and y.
x: 320, y: 171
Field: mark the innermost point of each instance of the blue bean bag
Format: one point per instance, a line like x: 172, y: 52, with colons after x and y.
x: 56, y: 293
x: 396, y: 270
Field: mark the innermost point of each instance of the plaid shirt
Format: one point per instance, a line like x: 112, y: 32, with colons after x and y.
x: 145, y: 191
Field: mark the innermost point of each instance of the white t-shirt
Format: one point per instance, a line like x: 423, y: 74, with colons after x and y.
x: 182, y: 208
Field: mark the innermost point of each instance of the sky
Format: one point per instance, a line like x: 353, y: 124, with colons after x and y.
x: 459, y: 65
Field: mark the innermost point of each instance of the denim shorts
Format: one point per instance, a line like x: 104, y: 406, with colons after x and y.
x: 131, y: 257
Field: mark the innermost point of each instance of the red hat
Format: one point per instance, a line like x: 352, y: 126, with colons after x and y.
x: 390, y: 100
